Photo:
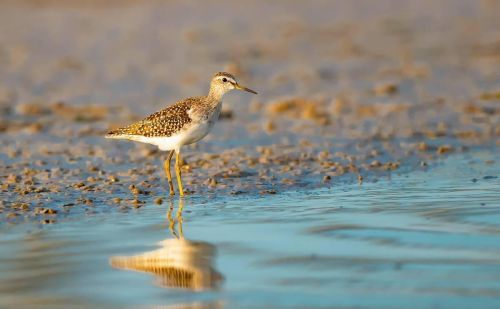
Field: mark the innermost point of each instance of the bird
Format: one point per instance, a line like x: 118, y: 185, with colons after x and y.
x: 179, y: 262
x: 182, y: 123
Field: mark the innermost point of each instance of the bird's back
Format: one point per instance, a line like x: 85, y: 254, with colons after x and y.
x: 163, y: 123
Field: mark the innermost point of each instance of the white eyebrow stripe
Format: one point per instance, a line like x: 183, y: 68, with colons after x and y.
x: 228, y: 78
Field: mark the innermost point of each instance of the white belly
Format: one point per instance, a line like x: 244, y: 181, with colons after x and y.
x: 192, y: 134
x: 197, y: 132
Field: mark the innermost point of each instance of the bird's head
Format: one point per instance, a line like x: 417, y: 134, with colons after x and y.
x: 223, y: 82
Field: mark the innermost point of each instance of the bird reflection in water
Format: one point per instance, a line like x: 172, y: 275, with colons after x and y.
x: 179, y: 263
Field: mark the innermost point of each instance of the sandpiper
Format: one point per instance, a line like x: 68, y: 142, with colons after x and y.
x: 182, y: 123
x: 179, y: 262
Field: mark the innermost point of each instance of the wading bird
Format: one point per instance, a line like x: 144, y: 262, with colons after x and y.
x: 182, y: 123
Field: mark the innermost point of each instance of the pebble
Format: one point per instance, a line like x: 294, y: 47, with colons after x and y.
x: 444, y: 149
x: 113, y: 178
x: 13, y: 179
x: 12, y: 215
x: 136, y: 203
x: 385, y: 89
x: 44, y: 211
x: 211, y: 182
x: 270, y: 191
x: 158, y: 201
x: 423, y: 146
x: 236, y: 192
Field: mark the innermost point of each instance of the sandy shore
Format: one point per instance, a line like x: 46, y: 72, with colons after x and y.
x: 347, y: 93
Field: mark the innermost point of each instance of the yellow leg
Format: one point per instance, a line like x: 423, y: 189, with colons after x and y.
x: 178, y: 173
x: 179, y: 218
x: 171, y: 221
x: 166, y: 166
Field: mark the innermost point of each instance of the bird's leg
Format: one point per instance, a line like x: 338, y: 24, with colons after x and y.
x: 178, y: 173
x: 179, y: 218
x: 166, y: 165
x: 171, y: 221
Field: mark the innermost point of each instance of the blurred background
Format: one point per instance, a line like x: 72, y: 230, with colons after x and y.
x: 143, y: 55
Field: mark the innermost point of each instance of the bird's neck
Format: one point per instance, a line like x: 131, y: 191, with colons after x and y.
x: 212, y: 102
x: 215, y: 95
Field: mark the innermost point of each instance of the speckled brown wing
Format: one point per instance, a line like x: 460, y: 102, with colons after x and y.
x: 163, y: 123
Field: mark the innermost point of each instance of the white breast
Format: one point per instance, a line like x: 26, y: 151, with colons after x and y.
x: 197, y: 130
x: 201, y: 128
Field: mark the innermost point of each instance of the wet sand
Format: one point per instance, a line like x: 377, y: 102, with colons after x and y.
x: 347, y: 93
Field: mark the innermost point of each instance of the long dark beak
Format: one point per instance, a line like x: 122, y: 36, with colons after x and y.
x: 237, y: 86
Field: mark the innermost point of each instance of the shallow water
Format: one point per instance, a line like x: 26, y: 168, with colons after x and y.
x: 423, y: 239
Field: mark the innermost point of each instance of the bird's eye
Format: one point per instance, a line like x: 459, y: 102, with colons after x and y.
x: 224, y: 79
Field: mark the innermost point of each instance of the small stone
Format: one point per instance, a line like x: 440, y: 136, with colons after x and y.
x: 147, y: 152
x: 385, y: 89
x: 88, y: 201
x: 158, y: 201
x: 31, y: 109
x: 34, y: 128
x: 137, y: 203
x: 48, y: 221
x: 135, y: 190
x: 93, y: 168
x: 270, y: 191
x: 444, y: 149
x: 211, y: 182
x: 391, y: 166
x: 79, y: 185
x: 12, y: 215
x: 287, y: 181
x: 21, y: 206
x: 226, y: 114
x: 113, y: 178
x: 44, y: 211
x: 13, y: 179
x: 270, y: 126
x: 423, y: 146
x: 322, y: 155
x: 374, y: 153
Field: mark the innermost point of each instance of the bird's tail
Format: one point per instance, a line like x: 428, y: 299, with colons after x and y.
x: 114, y: 134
